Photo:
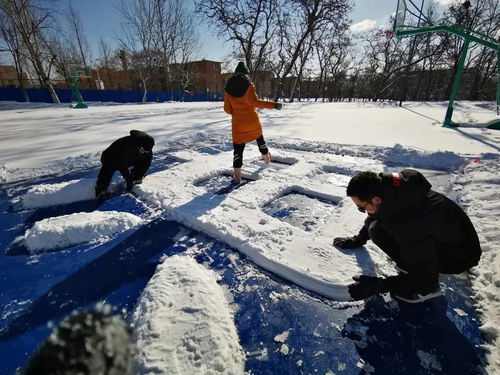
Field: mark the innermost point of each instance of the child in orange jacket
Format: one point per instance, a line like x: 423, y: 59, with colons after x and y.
x: 240, y: 101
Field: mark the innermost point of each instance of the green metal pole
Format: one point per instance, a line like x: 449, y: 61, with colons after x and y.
x: 456, y: 84
x: 498, y: 83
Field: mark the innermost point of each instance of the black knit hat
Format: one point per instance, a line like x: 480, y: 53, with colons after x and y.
x: 242, y: 68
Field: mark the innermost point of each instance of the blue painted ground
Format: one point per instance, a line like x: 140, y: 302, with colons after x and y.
x: 378, y: 337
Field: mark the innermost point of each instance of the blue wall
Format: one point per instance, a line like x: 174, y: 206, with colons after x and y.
x: 42, y: 95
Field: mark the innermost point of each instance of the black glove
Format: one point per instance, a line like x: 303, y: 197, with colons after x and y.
x: 347, y: 242
x: 129, y: 185
x: 366, y: 286
x: 278, y: 106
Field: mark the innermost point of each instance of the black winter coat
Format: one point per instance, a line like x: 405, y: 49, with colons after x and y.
x: 432, y: 233
x: 124, y: 153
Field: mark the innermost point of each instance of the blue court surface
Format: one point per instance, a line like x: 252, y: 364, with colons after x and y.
x: 322, y: 336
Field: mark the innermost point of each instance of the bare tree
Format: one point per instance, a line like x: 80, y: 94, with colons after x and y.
x: 339, y: 63
x: 30, y: 19
x: 13, y: 44
x: 139, y: 39
x: 301, y: 20
x: 108, y: 60
x: 484, y: 60
x: 250, y: 24
x: 64, y: 56
x: 78, y: 34
x: 179, y: 42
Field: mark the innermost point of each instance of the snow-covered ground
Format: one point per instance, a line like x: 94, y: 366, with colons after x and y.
x: 316, y: 147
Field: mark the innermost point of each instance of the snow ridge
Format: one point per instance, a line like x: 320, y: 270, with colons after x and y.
x: 68, y: 230
x: 183, y: 324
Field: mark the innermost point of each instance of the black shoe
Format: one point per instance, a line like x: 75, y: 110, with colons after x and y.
x: 103, y: 195
x: 418, y: 298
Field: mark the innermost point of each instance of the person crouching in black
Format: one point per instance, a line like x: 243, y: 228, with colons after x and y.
x: 133, y: 151
x: 421, y: 230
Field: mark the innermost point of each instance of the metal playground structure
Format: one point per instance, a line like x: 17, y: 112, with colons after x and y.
x: 410, y: 20
x: 77, y: 73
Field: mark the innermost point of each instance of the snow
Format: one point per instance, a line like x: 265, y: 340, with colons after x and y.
x: 47, y: 195
x: 318, y: 147
x: 68, y: 230
x: 481, y: 196
x: 183, y: 324
x: 52, y: 133
x: 238, y: 218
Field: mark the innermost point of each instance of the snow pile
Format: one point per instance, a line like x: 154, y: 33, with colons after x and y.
x: 481, y: 195
x: 69, y: 230
x: 183, y: 324
x: 47, y: 195
x: 306, y: 258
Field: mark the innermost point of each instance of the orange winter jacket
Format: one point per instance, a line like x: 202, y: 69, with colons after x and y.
x: 240, y: 101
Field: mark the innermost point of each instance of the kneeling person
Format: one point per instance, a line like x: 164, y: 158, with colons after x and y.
x: 421, y: 230
x: 133, y: 151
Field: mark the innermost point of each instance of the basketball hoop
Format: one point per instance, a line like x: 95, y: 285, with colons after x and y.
x: 385, y: 33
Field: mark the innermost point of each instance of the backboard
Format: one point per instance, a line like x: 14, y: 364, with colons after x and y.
x: 409, y: 15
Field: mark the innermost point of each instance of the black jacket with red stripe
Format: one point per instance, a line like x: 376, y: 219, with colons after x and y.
x: 432, y: 233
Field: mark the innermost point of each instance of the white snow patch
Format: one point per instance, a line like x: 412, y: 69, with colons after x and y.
x: 47, y: 195
x: 284, y: 349
x: 282, y: 337
x: 429, y: 361
x: 69, y: 230
x: 480, y: 194
x: 183, y: 324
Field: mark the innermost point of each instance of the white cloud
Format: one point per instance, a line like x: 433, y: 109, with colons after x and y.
x: 363, y: 26
x: 445, y: 2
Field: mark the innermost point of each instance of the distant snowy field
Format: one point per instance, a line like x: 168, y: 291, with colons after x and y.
x: 283, y: 219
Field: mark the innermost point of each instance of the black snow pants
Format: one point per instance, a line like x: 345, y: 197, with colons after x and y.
x: 109, y: 167
x: 238, y: 151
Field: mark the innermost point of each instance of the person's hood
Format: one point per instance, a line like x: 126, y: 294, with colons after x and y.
x: 237, y: 85
x: 403, y: 193
x: 142, y: 139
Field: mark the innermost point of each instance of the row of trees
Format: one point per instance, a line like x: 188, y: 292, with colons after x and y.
x: 310, y: 40
x: 157, y: 38
x: 299, y: 41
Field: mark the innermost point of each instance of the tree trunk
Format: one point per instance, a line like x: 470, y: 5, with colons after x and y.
x: 145, y: 94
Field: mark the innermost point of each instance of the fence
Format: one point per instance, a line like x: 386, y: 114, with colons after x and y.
x: 42, y: 95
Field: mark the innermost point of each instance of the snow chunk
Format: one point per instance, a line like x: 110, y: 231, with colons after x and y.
x: 47, y: 195
x: 428, y: 360
x: 69, y: 230
x: 282, y: 337
x: 183, y: 324
x: 478, y: 193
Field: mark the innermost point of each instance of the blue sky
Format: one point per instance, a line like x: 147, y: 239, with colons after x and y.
x: 100, y: 18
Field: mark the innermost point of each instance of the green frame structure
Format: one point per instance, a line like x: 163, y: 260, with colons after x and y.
x: 75, y: 94
x: 401, y: 30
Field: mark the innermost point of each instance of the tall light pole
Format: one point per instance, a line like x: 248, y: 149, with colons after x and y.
x: 99, y: 85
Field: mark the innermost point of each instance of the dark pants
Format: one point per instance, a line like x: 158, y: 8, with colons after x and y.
x: 105, y: 175
x: 109, y: 168
x: 239, y: 147
x: 451, y: 258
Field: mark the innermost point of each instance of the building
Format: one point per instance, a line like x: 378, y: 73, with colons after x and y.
x: 9, y: 78
x: 208, y: 76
